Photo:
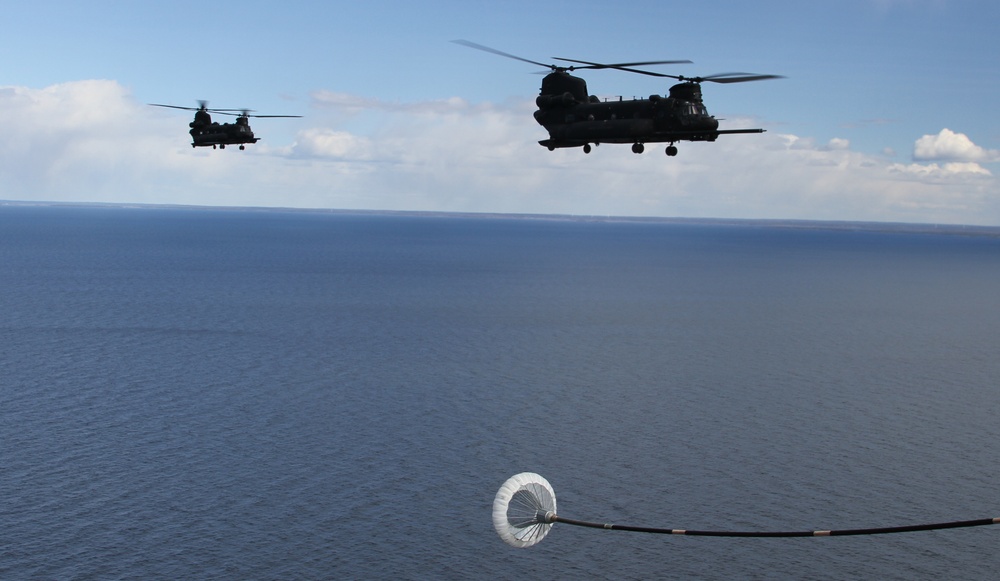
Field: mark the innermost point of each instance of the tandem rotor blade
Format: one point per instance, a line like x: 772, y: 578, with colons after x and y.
x: 481, y: 47
x: 174, y: 107
x: 623, y: 66
x: 717, y: 78
x: 587, y: 64
x: 246, y: 113
x: 739, y: 77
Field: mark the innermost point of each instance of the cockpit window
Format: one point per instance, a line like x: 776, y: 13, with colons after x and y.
x: 696, y: 109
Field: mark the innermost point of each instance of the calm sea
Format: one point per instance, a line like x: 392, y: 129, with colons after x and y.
x: 227, y: 394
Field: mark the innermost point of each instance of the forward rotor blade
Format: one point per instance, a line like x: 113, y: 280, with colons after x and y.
x: 622, y: 66
x: 243, y: 112
x: 174, y: 107
x: 476, y: 46
x: 625, y: 67
x: 230, y: 112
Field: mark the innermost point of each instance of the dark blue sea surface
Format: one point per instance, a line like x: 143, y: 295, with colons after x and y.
x: 235, y: 394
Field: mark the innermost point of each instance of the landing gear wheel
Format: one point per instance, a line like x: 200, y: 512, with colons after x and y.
x: 242, y: 147
x: 671, y: 150
x: 222, y: 146
x: 638, y: 148
x: 586, y: 148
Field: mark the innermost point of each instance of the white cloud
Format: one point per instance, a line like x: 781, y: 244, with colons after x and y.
x: 91, y: 141
x: 330, y: 144
x: 838, y: 143
x: 950, y: 146
x: 945, y: 171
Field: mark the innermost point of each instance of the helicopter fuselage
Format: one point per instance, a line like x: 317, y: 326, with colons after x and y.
x: 575, y: 119
x: 206, y: 133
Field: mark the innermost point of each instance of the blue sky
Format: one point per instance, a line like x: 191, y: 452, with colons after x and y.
x: 887, y: 111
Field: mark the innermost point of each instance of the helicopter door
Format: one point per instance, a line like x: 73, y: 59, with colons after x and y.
x: 661, y: 114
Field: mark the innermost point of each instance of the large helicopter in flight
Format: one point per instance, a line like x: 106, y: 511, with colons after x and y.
x: 208, y: 133
x: 574, y: 118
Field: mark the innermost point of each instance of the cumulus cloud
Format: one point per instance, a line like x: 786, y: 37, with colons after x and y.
x: 328, y: 143
x: 948, y: 145
x: 91, y: 141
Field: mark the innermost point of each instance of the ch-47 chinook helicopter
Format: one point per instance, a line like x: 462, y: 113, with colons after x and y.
x: 208, y: 133
x: 574, y: 118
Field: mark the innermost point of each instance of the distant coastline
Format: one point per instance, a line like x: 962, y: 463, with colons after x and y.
x: 839, y: 225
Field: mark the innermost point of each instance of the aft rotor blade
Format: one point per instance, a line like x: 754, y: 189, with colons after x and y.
x: 739, y: 77
x: 476, y: 46
x: 719, y: 78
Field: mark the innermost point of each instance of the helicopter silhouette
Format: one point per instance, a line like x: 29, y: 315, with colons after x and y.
x: 574, y: 118
x: 205, y: 132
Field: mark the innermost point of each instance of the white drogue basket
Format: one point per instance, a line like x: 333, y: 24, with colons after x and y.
x: 522, y: 509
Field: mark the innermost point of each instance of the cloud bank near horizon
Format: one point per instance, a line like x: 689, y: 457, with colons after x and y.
x: 92, y: 141
x: 950, y: 146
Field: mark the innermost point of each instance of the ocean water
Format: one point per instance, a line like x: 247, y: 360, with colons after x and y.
x: 235, y: 394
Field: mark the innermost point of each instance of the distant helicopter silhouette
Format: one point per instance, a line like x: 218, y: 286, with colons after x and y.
x: 205, y: 132
x: 574, y: 118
